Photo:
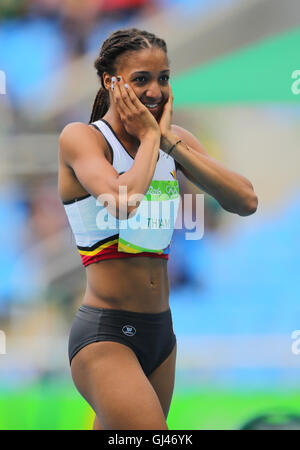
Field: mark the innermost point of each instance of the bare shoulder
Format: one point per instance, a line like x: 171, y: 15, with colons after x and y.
x: 74, y: 130
x: 77, y: 139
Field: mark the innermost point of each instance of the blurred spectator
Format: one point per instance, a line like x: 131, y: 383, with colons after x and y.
x: 11, y: 9
x: 55, y: 31
x: 29, y: 216
x: 45, y: 8
x: 78, y: 20
x: 129, y: 6
x: 46, y: 214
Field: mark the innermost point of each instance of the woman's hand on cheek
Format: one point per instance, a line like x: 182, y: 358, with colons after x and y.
x: 166, y: 117
x: 136, y: 118
x: 166, y: 122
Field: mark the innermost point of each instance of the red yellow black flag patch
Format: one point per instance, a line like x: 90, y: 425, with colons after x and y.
x: 173, y: 174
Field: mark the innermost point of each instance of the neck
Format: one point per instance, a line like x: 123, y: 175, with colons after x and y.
x: 131, y: 143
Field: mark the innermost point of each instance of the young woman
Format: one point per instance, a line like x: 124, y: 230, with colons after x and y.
x: 122, y: 347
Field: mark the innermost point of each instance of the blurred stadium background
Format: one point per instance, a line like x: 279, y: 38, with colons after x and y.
x: 234, y: 293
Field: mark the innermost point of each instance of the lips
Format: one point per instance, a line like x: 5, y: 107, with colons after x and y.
x: 151, y: 105
x: 154, y: 107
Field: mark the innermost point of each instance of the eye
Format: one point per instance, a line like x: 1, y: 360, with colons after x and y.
x: 165, y: 78
x: 140, y: 79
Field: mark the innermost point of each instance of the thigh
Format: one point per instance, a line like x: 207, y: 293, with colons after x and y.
x: 162, y: 379
x: 109, y: 376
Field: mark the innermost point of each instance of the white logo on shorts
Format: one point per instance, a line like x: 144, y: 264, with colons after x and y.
x: 129, y: 330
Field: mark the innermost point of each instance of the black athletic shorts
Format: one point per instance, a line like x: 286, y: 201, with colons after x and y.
x: 149, y: 335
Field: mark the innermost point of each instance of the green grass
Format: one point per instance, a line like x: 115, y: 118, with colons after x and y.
x: 226, y: 410
x: 58, y: 406
x: 44, y: 407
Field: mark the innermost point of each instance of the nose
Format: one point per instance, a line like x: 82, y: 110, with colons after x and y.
x: 154, y: 92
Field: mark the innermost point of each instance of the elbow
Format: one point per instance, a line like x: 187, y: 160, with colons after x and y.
x: 126, y: 201
x: 128, y: 204
x: 249, y: 206
x: 124, y: 211
x: 121, y: 211
x: 119, y: 206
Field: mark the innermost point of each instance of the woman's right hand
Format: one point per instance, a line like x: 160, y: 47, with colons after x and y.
x: 136, y: 118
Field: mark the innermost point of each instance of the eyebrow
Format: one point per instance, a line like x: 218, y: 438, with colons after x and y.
x: 144, y: 72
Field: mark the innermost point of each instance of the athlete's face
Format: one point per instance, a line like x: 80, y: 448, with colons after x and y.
x: 147, y: 72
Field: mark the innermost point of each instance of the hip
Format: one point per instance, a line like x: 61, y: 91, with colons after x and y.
x: 149, y: 335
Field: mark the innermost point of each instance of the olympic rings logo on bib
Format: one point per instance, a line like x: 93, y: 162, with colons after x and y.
x: 154, y: 191
x: 171, y: 190
x: 161, y: 190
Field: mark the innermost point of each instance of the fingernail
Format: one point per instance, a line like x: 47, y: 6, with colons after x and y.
x: 126, y: 85
x: 113, y: 79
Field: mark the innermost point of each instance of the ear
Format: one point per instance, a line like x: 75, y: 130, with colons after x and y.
x: 107, y: 80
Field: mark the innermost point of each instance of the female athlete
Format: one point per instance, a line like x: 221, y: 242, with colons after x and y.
x: 122, y: 348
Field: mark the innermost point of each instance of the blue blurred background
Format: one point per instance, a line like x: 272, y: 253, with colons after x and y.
x: 234, y: 293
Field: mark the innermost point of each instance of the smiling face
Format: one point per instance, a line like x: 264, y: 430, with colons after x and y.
x: 147, y: 71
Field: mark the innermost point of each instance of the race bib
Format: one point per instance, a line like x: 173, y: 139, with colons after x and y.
x: 152, y: 226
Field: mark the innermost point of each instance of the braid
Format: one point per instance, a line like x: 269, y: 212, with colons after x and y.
x: 131, y: 39
x: 100, y: 105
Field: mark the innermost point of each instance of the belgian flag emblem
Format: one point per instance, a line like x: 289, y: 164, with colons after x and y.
x: 173, y: 174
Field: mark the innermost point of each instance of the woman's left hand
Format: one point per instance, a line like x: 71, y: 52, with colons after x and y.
x: 166, y: 117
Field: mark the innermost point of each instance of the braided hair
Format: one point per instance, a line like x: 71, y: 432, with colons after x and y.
x: 117, y: 43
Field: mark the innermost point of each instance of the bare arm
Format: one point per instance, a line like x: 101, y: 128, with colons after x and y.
x: 79, y: 149
x: 233, y: 191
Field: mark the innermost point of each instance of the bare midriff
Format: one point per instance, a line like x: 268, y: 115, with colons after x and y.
x: 137, y: 284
